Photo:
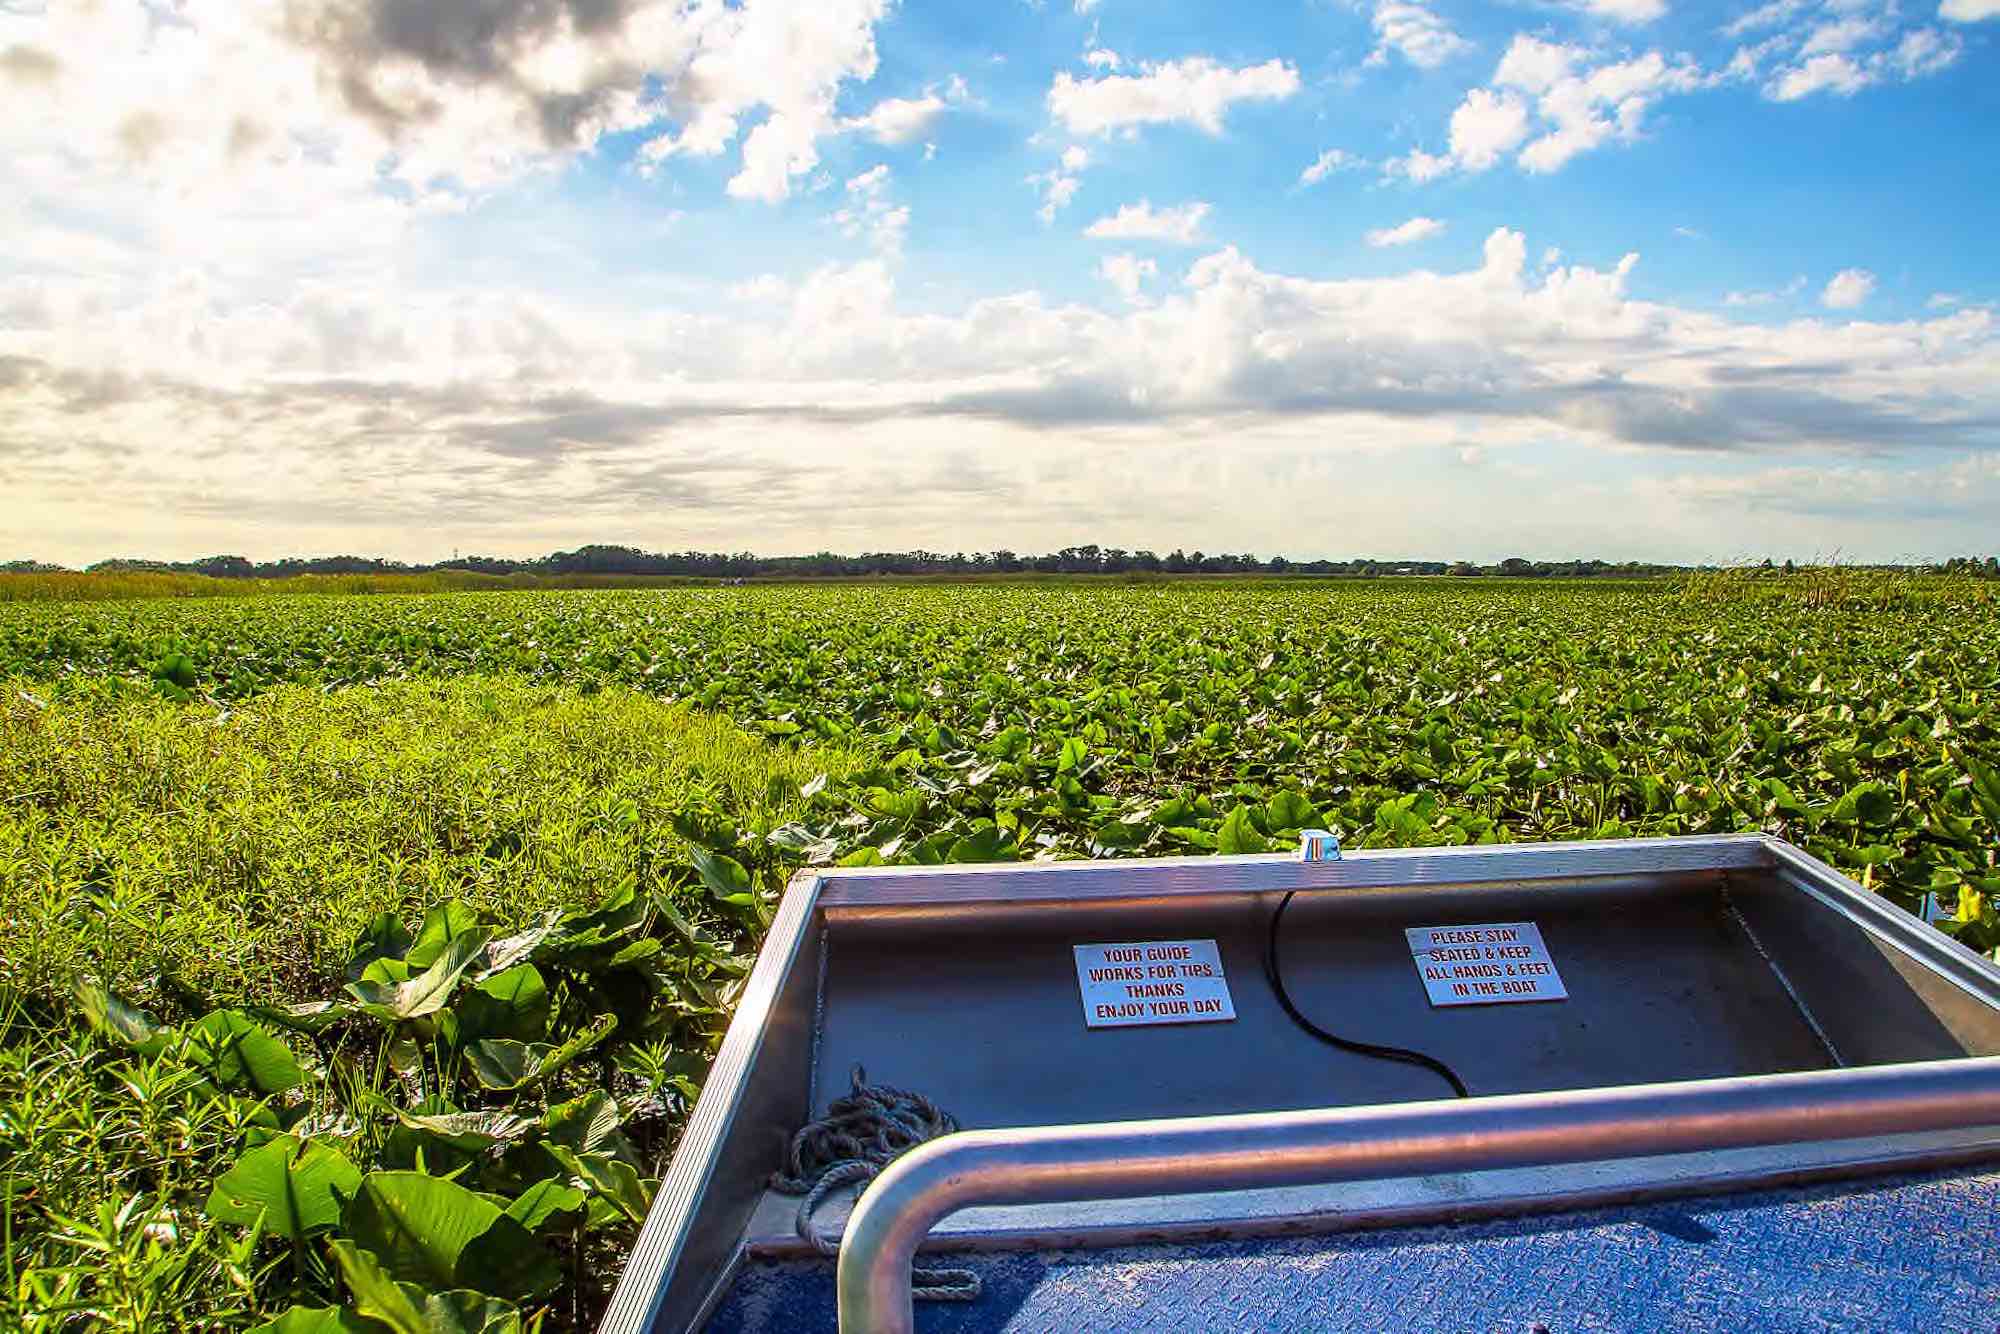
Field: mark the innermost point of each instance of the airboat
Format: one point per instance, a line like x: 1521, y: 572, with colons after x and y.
x: 1695, y: 1082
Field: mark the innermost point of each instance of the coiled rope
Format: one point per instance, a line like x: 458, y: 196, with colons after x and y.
x: 860, y: 1135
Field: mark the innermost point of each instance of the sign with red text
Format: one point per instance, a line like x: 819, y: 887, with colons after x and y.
x: 1492, y: 963
x: 1152, y: 982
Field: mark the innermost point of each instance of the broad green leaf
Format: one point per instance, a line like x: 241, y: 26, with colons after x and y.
x: 1114, y: 836
x: 375, y: 1292
x: 384, y: 937
x: 1289, y: 812
x: 605, y: 1176
x: 442, y: 925
x: 416, y: 1226
x: 427, y: 992
x: 724, y: 875
x: 1238, y: 835
x: 502, y: 1064
x: 310, y: 1017
x: 462, y: 1311
x: 114, y: 1019
x: 319, y: 1320
x: 438, y: 1235
x: 508, y: 951
x: 621, y: 914
x: 988, y: 843
x: 472, y: 1131
x: 510, y: 1004
x: 236, y: 1051
x: 297, y: 1188
x: 585, y: 1123
x: 547, y: 1206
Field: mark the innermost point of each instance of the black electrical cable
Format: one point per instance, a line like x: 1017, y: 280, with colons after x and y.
x: 1381, y: 1053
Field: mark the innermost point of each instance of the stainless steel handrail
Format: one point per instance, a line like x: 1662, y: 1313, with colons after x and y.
x: 1211, y: 1153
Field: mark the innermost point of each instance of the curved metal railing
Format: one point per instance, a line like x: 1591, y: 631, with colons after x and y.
x: 1213, y: 1153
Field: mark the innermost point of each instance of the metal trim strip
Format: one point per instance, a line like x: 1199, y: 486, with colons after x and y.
x: 643, y: 1286
x: 1923, y: 944
x: 1275, y: 873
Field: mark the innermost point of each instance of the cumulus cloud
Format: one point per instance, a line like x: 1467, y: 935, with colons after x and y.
x: 1196, y: 91
x: 901, y: 120
x: 1969, y: 11
x: 1179, y: 225
x: 1565, y: 348
x: 1060, y: 183
x: 1416, y: 229
x: 1764, y: 16
x: 222, y: 104
x: 1832, y: 73
x: 1129, y: 274
x: 1622, y: 11
x: 1765, y: 298
x: 870, y: 213
x: 1332, y: 160
x: 1967, y: 487
x: 1840, y: 52
x: 1547, y: 103
x: 1415, y: 32
x: 1848, y: 289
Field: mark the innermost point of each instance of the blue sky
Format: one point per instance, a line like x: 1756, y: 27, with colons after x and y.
x: 1631, y: 278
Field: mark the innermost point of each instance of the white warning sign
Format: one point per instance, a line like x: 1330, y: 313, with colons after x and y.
x: 1488, y: 964
x: 1152, y: 982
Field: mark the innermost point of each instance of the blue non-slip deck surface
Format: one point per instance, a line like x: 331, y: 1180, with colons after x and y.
x: 1920, y: 1254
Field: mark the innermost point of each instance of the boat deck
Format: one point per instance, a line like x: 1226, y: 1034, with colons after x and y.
x: 1902, y: 1253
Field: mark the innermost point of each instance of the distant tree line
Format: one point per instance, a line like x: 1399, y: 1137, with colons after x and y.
x: 1087, y: 559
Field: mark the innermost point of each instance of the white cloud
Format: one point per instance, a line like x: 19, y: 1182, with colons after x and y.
x: 1764, y: 16
x: 1623, y: 11
x: 1486, y: 127
x: 1423, y: 39
x: 1576, y: 107
x: 871, y: 213
x: 898, y: 120
x: 1100, y: 58
x: 1834, y: 57
x: 1840, y: 35
x: 1765, y: 298
x: 1178, y: 225
x: 355, y: 413
x: 764, y: 288
x: 1195, y: 91
x: 871, y: 182
x: 1332, y: 160
x: 1848, y: 289
x: 1922, y: 51
x: 1128, y: 273
x: 789, y: 60
x: 1969, y: 11
x: 1832, y: 73
x: 1967, y: 486
x: 1944, y: 300
x: 1535, y: 66
x: 1060, y: 184
x: 1416, y: 229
